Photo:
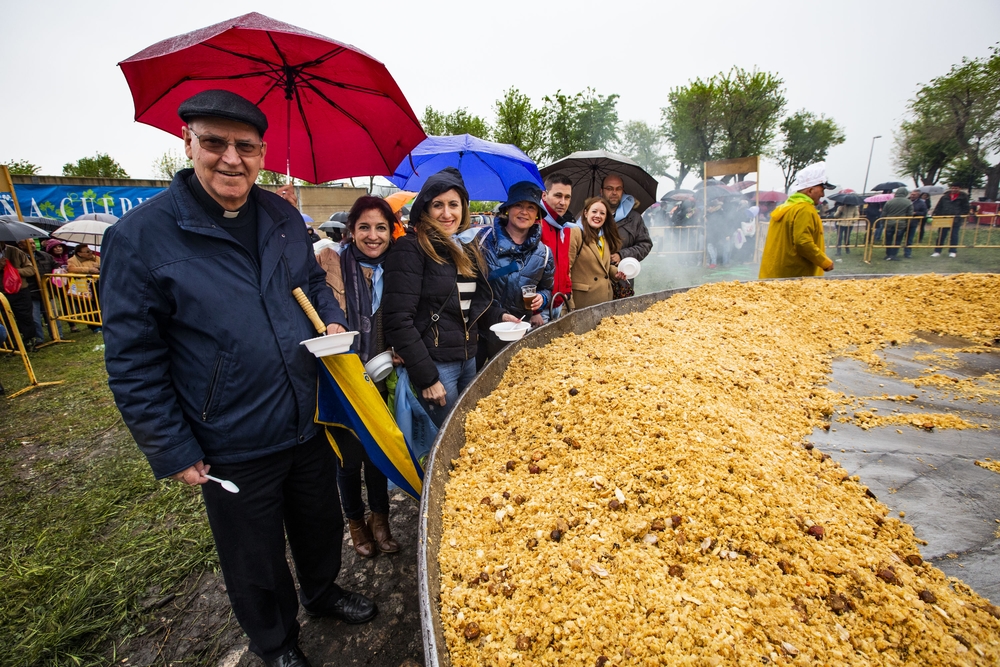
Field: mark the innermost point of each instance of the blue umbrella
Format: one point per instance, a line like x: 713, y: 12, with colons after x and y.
x: 488, y: 168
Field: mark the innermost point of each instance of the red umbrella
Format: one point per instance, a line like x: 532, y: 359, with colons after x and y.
x: 772, y: 196
x: 333, y: 110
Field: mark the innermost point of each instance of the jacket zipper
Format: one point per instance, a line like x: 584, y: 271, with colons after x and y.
x: 211, y: 388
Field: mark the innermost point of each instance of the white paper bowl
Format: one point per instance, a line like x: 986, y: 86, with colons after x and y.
x: 324, y: 346
x: 630, y: 267
x: 379, y: 366
x: 509, y: 331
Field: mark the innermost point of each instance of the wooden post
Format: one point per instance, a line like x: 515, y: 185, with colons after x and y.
x: 46, y: 301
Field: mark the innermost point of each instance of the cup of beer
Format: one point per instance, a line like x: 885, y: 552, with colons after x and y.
x: 528, y: 293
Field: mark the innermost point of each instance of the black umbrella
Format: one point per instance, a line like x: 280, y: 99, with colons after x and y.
x: 710, y: 182
x: 587, y: 170
x: 848, y: 199
x: 713, y: 192
x: 670, y: 195
x: 331, y: 225
x: 47, y: 224
x: 889, y: 187
x: 13, y: 231
x: 339, y: 216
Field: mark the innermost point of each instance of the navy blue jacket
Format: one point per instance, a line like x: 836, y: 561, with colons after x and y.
x: 513, y: 266
x: 201, y: 345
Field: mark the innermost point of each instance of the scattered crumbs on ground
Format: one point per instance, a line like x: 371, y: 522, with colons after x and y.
x: 989, y: 464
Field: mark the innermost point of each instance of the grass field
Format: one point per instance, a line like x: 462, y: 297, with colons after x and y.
x: 90, y: 538
x: 88, y: 535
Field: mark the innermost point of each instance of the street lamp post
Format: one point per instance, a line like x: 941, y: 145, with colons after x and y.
x: 872, y: 150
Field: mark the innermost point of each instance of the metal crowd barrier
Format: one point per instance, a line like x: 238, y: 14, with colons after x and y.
x: 13, y: 344
x: 940, y: 233
x: 74, y: 298
x: 678, y: 240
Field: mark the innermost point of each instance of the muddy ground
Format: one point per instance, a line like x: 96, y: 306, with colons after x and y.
x: 194, y: 625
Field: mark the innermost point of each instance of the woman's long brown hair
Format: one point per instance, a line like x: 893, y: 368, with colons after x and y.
x: 610, y: 227
x: 466, y: 258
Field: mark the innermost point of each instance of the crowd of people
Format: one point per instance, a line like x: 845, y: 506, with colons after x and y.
x: 206, y: 367
x: 25, y: 296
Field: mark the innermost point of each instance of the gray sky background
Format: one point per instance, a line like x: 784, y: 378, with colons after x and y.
x: 857, y: 62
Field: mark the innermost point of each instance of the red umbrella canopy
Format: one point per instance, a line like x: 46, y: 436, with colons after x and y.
x: 333, y: 111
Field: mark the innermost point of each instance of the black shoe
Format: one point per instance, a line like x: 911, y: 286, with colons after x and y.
x: 291, y: 658
x: 353, y: 608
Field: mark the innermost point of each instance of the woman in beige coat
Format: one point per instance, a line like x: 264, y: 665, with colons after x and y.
x: 590, y: 250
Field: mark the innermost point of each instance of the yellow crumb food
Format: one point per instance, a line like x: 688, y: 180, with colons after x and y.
x: 642, y: 494
x: 927, y: 421
x: 989, y: 464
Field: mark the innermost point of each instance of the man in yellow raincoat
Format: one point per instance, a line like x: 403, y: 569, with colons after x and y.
x: 794, y: 245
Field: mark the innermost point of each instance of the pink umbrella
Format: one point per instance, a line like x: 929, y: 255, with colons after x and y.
x: 333, y: 110
x: 743, y: 185
x: 772, y: 196
x: 878, y: 199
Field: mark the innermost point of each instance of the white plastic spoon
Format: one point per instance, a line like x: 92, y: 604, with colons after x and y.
x: 226, y: 484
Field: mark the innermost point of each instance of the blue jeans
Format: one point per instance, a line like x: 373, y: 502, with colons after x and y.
x: 455, y: 376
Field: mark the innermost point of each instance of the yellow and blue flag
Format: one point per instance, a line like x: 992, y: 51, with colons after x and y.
x: 348, y: 398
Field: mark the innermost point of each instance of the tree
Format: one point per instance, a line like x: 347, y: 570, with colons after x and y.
x: 586, y: 121
x: 644, y: 144
x: 22, y: 167
x: 170, y: 163
x: 964, y: 104
x: 732, y: 114
x: 101, y: 165
x: 268, y: 177
x: 964, y: 172
x: 459, y: 121
x: 518, y: 123
x: 921, y: 150
x: 806, y: 139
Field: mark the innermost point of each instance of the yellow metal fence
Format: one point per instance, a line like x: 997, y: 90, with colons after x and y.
x: 74, y: 298
x: 13, y: 345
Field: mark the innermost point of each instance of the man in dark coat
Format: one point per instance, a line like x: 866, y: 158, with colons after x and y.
x: 896, y: 209
x: 631, y: 227
x: 952, y: 203
x: 202, y: 349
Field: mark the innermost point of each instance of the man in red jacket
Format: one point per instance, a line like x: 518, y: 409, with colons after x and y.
x: 556, y: 219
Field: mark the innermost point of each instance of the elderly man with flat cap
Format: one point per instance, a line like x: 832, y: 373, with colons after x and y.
x: 794, y: 245
x: 202, y: 348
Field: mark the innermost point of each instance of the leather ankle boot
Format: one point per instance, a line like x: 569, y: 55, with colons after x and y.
x: 379, y: 524
x: 361, y: 535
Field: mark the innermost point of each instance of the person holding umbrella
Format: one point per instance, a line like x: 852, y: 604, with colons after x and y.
x: 635, y: 241
x: 437, y: 297
x: 794, y: 244
x: 202, y: 350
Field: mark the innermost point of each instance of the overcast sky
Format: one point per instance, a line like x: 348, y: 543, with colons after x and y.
x: 857, y: 62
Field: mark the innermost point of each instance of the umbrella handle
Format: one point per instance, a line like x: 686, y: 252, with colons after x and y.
x: 307, y: 307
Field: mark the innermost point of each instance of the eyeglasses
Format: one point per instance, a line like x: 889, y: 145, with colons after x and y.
x: 218, y: 145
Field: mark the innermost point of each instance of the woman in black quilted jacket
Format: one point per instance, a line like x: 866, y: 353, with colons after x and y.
x: 436, y: 295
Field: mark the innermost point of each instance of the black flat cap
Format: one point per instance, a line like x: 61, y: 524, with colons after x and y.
x: 223, y: 104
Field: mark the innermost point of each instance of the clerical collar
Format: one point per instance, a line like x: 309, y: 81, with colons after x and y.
x: 213, y: 207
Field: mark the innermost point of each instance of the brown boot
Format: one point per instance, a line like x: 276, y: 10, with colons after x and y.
x: 379, y: 523
x: 361, y: 535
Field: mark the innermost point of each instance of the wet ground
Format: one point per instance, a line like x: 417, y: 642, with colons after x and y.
x: 194, y: 625
x: 931, y: 477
